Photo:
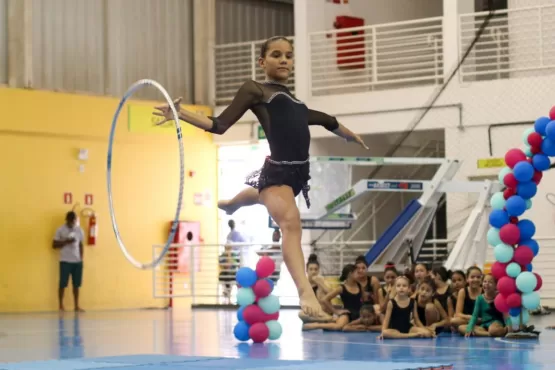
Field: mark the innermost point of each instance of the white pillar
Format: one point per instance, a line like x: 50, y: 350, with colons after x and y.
x: 204, y: 26
x: 20, y: 43
x: 302, y: 50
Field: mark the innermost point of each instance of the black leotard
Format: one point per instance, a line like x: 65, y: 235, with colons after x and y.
x: 352, y: 302
x: 442, y: 298
x: 285, y: 121
x: 401, y: 317
x: 468, y: 307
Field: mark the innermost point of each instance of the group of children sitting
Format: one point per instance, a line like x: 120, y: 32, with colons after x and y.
x: 417, y: 304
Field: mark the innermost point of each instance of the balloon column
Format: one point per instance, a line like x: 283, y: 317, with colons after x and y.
x: 258, y: 308
x: 511, y: 236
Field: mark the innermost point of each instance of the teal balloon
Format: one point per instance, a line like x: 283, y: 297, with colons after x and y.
x: 269, y: 304
x: 493, y: 237
x: 504, y: 172
x: 528, y: 151
x: 514, y: 321
x: 513, y: 269
x: 531, y: 301
x: 503, y: 253
x: 528, y: 203
x: 526, y: 282
x: 275, y: 329
x: 525, y: 135
x: 245, y: 296
x: 497, y: 200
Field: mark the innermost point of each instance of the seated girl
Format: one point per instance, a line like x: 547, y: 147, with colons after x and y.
x: 388, y: 290
x: 467, y: 297
x: 492, y: 321
x: 430, y: 314
x: 399, y: 312
x: 350, y: 292
x: 369, y: 320
x: 320, y: 287
x: 458, y: 282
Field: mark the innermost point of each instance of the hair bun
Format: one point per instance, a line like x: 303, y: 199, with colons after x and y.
x: 313, y: 258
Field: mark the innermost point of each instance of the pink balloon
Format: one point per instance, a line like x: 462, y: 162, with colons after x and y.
x: 506, y: 285
x: 501, y: 304
x: 498, y: 270
x: 514, y: 156
x: 253, y: 314
x: 265, y: 267
x: 535, y: 149
x: 259, y: 332
x: 262, y: 288
x: 537, y: 177
x: 535, y: 139
x: 523, y: 255
x: 270, y: 317
x: 508, y: 192
x: 510, y: 180
x: 552, y: 113
x: 509, y: 234
x: 539, y: 283
x: 514, y: 300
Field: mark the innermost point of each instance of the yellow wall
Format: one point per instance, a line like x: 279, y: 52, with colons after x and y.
x: 40, y: 134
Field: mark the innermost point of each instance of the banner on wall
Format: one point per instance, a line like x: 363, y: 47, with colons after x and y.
x: 141, y: 120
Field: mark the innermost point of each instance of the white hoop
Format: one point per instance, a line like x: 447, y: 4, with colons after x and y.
x: 550, y: 198
x: 173, y: 230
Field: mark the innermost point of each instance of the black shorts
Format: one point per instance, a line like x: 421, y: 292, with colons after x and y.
x: 73, y: 269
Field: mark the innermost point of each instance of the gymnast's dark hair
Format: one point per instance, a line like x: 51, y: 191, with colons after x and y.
x: 312, y: 260
x: 361, y: 259
x: 347, y: 270
x: 266, y: 44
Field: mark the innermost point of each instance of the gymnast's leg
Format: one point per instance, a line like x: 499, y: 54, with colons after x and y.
x: 280, y: 203
x: 246, y: 197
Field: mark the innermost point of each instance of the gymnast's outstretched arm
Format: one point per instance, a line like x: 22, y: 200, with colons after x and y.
x: 330, y: 123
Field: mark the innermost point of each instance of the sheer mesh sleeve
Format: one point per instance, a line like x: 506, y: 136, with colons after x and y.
x: 248, y: 95
x: 322, y: 119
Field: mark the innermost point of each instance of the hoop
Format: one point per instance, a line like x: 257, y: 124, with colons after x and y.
x: 550, y: 198
x: 173, y: 230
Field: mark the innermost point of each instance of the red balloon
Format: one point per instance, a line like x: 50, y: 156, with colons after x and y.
x: 535, y: 139
x: 506, y: 285
x: 498, y: 270
x: 265, y: 267
x: 501, y: 304
x: 509, y: 234
x: 270, y: 317
x: 262, y: 288
x: 539, y: 283
x: 552, y: 113
x: 510, y: 180
x: 253, y: 314
x: 535, y: 149
x: 538, y: 175
x: 514, y: 156
x: 514, y: 300
x: 508, y: 192
x: 523, y: 255
x: 513, y: 219
x: 259, y: 332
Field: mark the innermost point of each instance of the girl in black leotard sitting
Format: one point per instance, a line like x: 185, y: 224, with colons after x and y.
x: 467, y: 297
x: 370, y: 284
x: 319, y: 285
x: 350, y: 292
x: 440, y: 275
x: 285, y: 173
x: 458, y: 282
x: 399, y: 312
x: 387, y: 292
x: 430, y: 313
x: 369, y: 320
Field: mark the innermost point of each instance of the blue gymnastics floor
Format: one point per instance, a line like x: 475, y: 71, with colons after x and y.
x: 201, y: 339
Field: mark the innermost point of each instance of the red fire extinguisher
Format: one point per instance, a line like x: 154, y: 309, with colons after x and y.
x: 92, y: 230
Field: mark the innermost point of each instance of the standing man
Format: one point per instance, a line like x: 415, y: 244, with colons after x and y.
x: 69, y: 240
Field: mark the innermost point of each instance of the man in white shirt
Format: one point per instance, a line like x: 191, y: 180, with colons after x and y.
x: 69, y: 240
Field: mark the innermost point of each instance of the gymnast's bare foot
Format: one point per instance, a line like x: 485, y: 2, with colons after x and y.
x: 228, y: 207
x: 310, y: 305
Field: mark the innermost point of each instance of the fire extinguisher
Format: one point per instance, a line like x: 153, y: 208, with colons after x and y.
x: 92, y: 230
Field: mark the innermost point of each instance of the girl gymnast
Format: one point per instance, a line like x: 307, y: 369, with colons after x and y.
x: 285, y: 172
x: 492, y: 321
x: 467, y: 297
x: 440, y: 275
x: 430, y: 314
x: 319, y: 286
x: 387, y: 292
x: 400, y: 310
x: 350, y: 292
x: 369, y: 320
x: 370, y: 284
x: 458, y: 282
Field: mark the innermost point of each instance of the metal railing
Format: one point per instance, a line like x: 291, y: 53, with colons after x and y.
x: 236, y: 63
x: 386, y: 56
x: 515, y: 42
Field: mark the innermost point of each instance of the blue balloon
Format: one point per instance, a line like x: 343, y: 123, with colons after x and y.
x: 527, y: 190
x: 529, y: 267
x: 541, y: 162
x: 271, y: 282
x: 532, y: 244
x: 241, y: 331
x: 523, y: 171
x: 541, y: 124
x: 527, y: 229
x: 240, y: 313
x: 498, y: 218
x: 246, y: 277
x: 548, y: 147
x: 550, y: 130
x: 514, y: 312
x: 516, y: 205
